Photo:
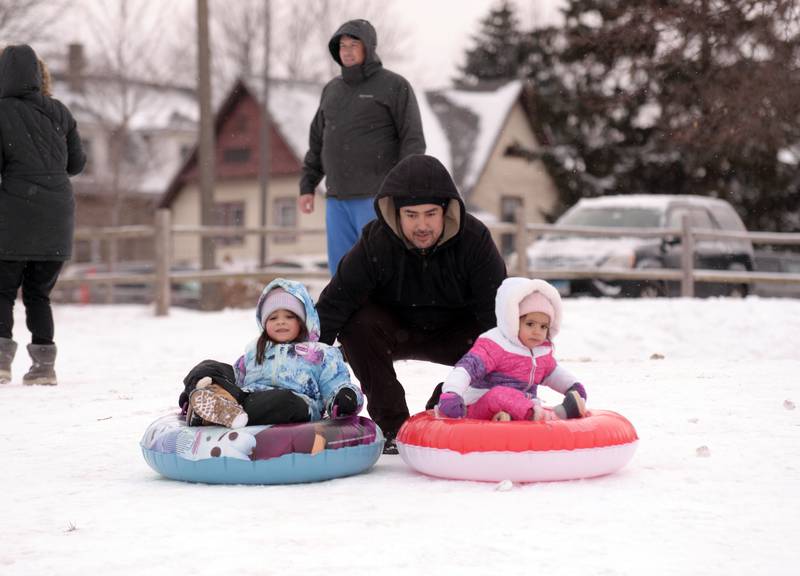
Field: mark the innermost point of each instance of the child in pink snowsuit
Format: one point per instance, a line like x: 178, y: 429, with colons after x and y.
x: 497, y: 379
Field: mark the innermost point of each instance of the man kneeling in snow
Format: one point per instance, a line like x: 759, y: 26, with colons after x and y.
x: 419, y: 284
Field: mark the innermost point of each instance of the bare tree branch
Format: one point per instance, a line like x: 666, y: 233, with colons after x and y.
x: 28, y: 21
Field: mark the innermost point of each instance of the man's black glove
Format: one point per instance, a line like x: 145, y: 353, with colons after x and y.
x: 345, y: 403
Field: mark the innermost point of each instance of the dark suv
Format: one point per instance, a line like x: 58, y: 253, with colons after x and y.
x: 555, y: 250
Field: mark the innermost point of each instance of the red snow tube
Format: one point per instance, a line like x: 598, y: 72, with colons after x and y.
x: 520, y: 451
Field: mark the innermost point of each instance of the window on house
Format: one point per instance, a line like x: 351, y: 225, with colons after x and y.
x: 510, y: 211
x: 229, y: 214
x: 236, y: 155
x: 284, y: 213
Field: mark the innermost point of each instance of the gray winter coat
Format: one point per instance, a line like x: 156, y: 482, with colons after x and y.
x: 368, y: 120
x: 39, y: 148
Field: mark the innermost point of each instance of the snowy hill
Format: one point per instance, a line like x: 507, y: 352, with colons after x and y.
x: 710, y: 385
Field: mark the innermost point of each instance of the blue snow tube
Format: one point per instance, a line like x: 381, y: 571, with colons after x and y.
x: 280, y: 454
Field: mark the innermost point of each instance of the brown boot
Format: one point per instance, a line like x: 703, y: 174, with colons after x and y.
x: 215, y: 405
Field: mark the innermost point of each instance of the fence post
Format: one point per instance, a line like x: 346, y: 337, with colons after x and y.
x: 163, y: 245
x: 520, y: 239
x: 687, y: 258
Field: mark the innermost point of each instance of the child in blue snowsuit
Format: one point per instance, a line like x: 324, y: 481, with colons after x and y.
x: 285, y: 375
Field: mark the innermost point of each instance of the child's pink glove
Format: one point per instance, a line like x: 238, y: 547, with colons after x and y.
x: 452, y: 405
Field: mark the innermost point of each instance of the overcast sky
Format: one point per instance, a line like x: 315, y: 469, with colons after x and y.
x: 439, y: 31
x: 442, y: 31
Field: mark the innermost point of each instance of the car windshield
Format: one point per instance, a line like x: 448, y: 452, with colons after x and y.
x: 613, y: 217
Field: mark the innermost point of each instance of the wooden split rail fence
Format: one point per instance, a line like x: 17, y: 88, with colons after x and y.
x: 163, y: 232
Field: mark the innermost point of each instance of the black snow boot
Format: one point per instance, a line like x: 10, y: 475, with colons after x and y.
x: 42, y: 370
x: 390, y: 444
x: 434, y: 399
x: 7, y: 350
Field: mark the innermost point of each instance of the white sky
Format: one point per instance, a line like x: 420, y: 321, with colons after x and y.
x: 440, y: 31
x: 712, y: 488
x: 443, y: 31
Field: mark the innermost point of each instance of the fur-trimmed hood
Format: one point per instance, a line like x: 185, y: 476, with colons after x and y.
x: 419, y: 175
x: 510, y: 294
x: 299, y: 291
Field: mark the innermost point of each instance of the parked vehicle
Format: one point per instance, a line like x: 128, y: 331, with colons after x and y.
x: 311, y: 269
x: 554, y: 251
x: 777, y: 261
x: 128, y: 292
x: 301, y: 263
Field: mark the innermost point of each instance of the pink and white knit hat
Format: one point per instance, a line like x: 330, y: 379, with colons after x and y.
x: 536, y: 302
x: 280, y: 299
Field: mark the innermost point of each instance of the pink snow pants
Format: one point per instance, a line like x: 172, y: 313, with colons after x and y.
x: 502, y: 399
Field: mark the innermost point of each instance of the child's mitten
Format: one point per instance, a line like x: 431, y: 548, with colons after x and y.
x: 345, y: 403
x: 577, y: 387
x: 452, y: 405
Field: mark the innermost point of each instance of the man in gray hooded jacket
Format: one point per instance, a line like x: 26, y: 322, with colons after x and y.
x: 368, y: 120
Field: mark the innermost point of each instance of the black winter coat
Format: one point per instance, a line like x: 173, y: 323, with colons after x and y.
x: 368, y: 119
x: 429, y: 289
x: 39, y: 148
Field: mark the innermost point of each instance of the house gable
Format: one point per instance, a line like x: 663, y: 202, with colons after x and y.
x: 472, y: 119
x: 237, y: 127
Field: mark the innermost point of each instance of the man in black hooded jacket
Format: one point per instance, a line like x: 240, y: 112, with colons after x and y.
x: 419, y: 284
x: 368, y: 120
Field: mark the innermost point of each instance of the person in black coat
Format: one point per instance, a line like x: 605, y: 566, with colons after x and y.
x: 39, y: 149
x: 419, y: 284
x: 368, y: 120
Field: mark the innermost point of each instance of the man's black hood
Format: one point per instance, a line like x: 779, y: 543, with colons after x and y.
x: 19, y: 72
x: 421, y: 177
x: 365, y: 32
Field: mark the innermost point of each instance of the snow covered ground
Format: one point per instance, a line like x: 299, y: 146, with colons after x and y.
x: 711, y: 386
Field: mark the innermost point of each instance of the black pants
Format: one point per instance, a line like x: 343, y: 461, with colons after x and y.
x: 375, y: 337
x: 274, y: 407
x: 267, y: 407
x: 36, y: 280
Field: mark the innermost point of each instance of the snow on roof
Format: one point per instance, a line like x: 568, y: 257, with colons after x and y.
x: 150, y: 107
x: 436, y: 141
x: 461, y: 126
x: 491, y: 108
x: 292, y: 106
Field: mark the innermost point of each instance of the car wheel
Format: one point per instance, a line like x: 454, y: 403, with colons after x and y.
x: 651, y: 290
x: 737, y: 290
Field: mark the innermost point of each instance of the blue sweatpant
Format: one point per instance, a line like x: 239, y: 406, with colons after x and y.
x: 344, y: 220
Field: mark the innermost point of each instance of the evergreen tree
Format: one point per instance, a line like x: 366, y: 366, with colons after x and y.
x: 687, y: 97
x: 681, y: 96
x: 498, y: 52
